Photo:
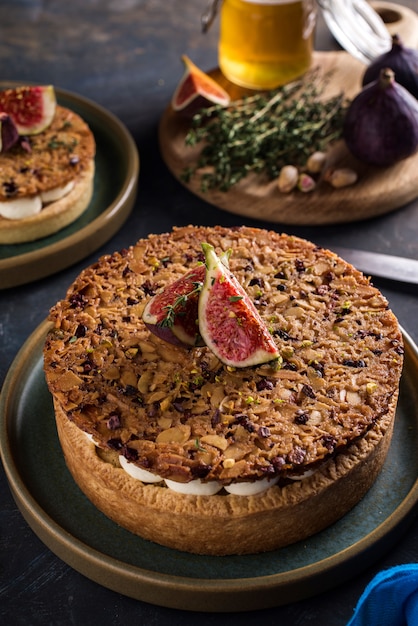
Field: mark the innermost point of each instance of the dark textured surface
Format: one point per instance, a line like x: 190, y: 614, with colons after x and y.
x: 125, y: 55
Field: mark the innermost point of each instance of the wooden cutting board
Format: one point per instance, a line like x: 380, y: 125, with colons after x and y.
x: 377, y: 191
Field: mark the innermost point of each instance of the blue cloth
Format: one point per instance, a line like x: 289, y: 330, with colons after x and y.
x: 390, y: 599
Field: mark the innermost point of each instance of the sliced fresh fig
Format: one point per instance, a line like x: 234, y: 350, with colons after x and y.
x: 229, y: 323
x: 8, y: 132
x: 172, y: 313
x: 31, y: 108
x: 197, y: 90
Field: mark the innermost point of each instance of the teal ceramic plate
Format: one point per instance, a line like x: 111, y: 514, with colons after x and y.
x: 115, y: 185
x: 79, y: 534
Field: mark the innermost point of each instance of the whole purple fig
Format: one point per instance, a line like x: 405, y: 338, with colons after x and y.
x: 381, y: 123
x: 402, y: 60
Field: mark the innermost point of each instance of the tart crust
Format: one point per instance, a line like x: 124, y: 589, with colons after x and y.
x: 318, y: 420
x: 227, y: 524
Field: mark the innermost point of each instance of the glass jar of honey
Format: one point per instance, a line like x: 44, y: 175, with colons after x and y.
x: 266, y: 43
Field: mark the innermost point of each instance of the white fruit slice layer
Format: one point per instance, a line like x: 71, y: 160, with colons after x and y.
x: 90, y: 438
x: 198, y: 487
x: 56, y: 194
x: 20, y: 208
x: 304, y: 475
x: 251, y: 488
x: 25, y: 207
x: 194, y: 487
x: 137, y: 472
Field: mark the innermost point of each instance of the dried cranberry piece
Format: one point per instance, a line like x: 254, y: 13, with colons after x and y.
x: 352, y: 363
x: 148, y: 288
x: 10, y: 188
x: 301, y: 417
x: 130, y: 454
x: 297, y: 455
x: 318, y: 367
x: 308, y: 391
x: 245, y: 422
x: 280, y: 275
x: 87, y: 366
x: 115, y: 443
x: 322, y: 290
x: 81, y: 330
x: 329, y: 442
x: 278, y: 463
x: 153, y: 409
x: 77, y: 300
x: 114, y: 422
x: 178, y: 404
x: 216, y: 418
x: 130, y: 390
x: 264, y: 432
x: 264, y: 383
x: 289, y: 366
x: 201, y: 470
x: 282, y: 334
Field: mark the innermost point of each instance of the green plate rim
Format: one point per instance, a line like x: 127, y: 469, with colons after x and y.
x: 182, y: 592
x: 46, y: 260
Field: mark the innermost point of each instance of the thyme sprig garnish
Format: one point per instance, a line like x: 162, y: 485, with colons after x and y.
x: 180, y: 301
x: 263, y: 132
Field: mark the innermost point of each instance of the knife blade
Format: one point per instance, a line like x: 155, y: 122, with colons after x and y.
x: 400, y: 269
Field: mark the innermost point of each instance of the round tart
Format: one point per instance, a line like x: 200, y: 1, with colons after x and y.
x: 53, y: 169
x: 195, y: 455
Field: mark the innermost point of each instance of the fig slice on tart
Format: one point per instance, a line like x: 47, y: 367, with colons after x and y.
x: 229, y: 323
x: 208, y: 306
x: 32, y: 108
x: 9, y: 135
x: 172, y: 313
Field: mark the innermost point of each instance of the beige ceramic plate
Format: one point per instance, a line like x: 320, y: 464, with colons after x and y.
x: 115, y: 185
x: 85, y: 539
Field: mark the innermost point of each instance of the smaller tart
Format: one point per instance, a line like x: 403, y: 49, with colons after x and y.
x: 63, y: 153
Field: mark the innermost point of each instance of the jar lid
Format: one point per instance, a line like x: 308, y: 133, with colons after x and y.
x: 357, y: 27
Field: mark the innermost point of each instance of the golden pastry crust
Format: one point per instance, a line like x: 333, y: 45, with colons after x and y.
x: 227, y: 524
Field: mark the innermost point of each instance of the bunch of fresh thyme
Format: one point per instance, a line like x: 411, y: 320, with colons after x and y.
x: 264, y: 132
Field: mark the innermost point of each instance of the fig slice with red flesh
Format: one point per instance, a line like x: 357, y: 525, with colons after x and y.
x: 197, y: 90
x: 32, y: 109
x: 172, y: 313
x: 8, y: 132
x: 229, y: 323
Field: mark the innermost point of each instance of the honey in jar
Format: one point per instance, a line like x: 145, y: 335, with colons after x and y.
x: 266, y: 43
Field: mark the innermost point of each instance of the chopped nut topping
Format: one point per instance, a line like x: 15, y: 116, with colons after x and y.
x: 179, y: 412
